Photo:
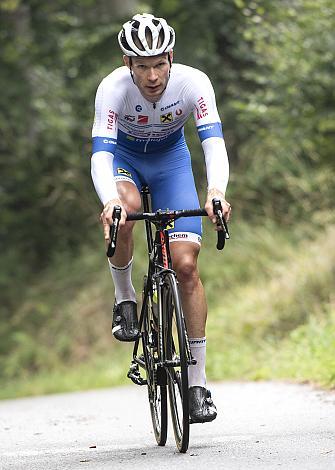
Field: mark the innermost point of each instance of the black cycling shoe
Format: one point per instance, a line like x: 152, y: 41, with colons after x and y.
x: 202, y: 408
x: 125, y: 323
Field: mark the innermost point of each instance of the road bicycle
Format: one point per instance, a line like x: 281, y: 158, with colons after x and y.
x: 162, y: 350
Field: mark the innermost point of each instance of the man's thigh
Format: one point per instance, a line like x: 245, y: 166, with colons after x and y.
x: 175, y: 189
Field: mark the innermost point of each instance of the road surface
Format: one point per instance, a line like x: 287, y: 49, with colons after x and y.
x: 259, y: 426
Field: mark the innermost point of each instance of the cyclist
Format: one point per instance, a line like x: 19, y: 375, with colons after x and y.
x: 138, y: 138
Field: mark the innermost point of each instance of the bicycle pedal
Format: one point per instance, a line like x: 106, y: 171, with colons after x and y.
x: 135, y: 376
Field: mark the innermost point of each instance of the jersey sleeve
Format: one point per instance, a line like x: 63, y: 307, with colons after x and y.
x: 107, y: 105
x: 209, y: 129
x: 104, y: 139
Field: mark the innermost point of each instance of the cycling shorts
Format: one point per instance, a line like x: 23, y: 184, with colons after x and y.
x: 169, y: 176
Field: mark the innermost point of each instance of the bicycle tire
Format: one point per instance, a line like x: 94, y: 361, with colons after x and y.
x: 176, y: 350
x: 156, y: 379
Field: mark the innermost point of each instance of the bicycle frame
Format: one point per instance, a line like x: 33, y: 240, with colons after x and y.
x: 159, y: 263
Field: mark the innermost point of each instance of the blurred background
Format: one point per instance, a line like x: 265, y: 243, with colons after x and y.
x: 271, y: 292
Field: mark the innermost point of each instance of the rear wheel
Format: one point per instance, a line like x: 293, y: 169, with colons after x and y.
x: 156, y: 376
x: 175, y: 340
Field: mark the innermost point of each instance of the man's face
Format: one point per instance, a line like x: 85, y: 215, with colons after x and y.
x: 151, y: 74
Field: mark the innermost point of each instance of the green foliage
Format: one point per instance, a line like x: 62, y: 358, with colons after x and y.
x: 280, y: 324
x: 292, y: 112
x: 52, y: 58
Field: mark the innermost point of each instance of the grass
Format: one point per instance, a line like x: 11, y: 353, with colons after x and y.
x: 100, y: 372
x: 281, y: 325
x: 271, y: 315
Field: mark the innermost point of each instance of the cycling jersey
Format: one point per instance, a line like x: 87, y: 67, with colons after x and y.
x: 137, y: 132
x: 124, y: 117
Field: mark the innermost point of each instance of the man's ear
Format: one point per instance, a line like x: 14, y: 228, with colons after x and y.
x: 171, y: 56
x: 126, y: 61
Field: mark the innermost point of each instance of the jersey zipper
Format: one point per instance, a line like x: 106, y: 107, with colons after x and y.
x: 153, y: 120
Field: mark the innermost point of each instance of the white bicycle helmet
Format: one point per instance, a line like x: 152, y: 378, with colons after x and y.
x: 145, y: 35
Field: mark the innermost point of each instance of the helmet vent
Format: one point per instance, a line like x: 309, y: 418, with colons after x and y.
x: 148, y: 36
x: 137, y: 42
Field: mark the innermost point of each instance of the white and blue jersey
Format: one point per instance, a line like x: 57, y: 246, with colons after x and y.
x: 142, y: 142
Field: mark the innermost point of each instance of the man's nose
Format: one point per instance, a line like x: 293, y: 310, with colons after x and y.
x: 152, y: 74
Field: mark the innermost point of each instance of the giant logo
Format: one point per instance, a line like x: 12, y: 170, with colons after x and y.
x: 205, y: 128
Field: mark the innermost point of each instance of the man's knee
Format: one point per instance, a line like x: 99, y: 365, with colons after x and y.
x: 131, y: 201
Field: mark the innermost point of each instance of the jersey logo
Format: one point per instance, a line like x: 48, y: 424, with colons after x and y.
x: 201, y: 108
x: 170, y: 225
x: 179, y: 112
x: 111, y: 121
x: 170, y: 105
x: 142, y: 119
x: 138, y: 108
x: 129, y: 117
x: 122, y: 171
x: 166, y: 117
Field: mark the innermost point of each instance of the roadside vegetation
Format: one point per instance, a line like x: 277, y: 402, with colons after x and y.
x: 271, y: 292
x: 271, y: 315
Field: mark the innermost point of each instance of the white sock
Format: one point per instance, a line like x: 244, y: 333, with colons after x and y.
x: 196, y: 373
x: 124, y: 289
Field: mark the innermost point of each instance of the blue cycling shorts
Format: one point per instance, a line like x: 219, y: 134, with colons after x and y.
x: 169, y: 177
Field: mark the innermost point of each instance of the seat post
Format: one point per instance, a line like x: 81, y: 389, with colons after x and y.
x: 145, y: 193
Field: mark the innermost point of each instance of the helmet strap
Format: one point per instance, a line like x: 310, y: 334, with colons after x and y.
x: 130, y: 70
x: 170, y: 62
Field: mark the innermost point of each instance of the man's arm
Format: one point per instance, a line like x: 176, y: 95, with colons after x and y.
x: 210, y: 133
x: 104, y: 136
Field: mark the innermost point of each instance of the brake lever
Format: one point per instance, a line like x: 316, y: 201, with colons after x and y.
x: 113, y: 230
x: 223, y: 233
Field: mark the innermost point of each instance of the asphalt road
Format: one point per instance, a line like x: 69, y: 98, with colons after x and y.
x: 259, y: 426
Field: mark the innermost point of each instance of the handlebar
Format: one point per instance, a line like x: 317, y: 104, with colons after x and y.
x: 163, y: 217
x: 221, y: 224
x: 113, y: 231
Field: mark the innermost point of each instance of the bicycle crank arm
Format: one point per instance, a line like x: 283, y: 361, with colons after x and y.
x: 135, y: 376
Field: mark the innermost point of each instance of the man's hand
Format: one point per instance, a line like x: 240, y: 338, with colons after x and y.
x: 106, y: 216
x: 226, y: 207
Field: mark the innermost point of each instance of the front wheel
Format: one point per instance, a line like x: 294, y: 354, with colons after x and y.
x: 156, y: 376
x: 175, y: 341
